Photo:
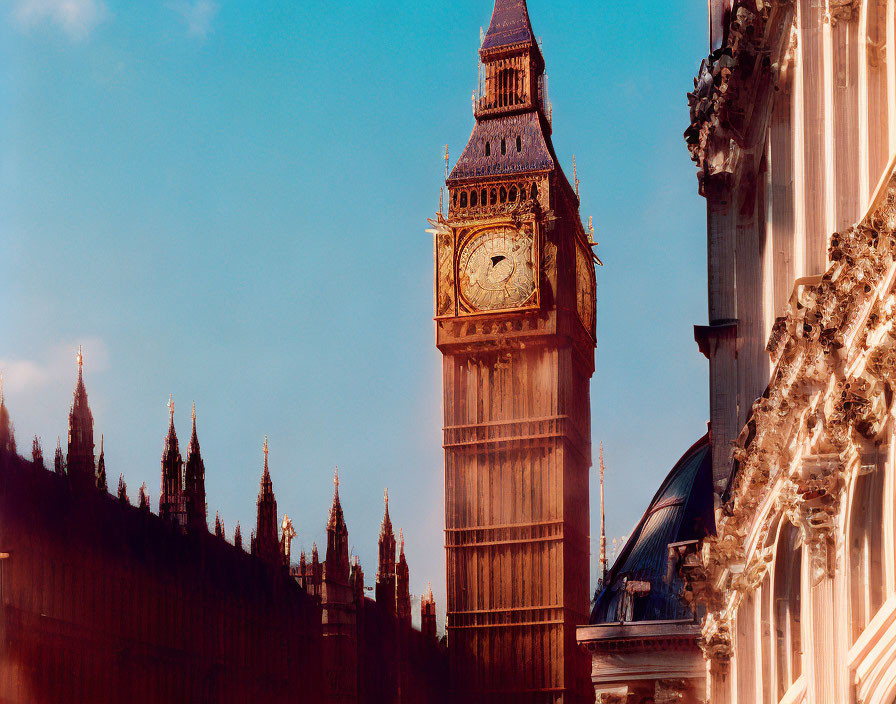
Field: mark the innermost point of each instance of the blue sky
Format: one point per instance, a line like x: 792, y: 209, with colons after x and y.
x: 227, y: 201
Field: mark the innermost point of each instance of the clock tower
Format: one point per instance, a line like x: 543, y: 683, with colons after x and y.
x: 515, y: 322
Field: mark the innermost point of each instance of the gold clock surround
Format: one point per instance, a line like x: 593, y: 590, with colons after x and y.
x: 494, y: 258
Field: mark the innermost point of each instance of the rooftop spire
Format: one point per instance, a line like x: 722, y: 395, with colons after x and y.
x: 510, y: 26
x: 194, y: 483
x: 80, y: 461
x: 603, y: 523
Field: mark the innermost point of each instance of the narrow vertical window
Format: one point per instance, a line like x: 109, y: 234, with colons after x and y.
x: 503, y: 146
x: 473, y: 198
x: 488, y: 148
x: 519, y: 143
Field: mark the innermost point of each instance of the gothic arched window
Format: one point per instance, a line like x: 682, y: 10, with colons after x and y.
x: 463, y: 199
x: 788, y: 599
x: 866, y: 576
x: 473, y: 198
x: 503, y: 194
x: 488, y: 148
x: 503, y: 146
x: 519, y: 143
x: 511, y: 196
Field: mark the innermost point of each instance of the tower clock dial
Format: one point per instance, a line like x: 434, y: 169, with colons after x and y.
x: 496, y: 269
x: 585, y: 285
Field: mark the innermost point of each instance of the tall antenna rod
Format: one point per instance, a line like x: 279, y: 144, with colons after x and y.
x: 575, y: 174
x: 603, y: 521
x: 442, y: 189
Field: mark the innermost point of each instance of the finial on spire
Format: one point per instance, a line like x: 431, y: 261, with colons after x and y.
x: 401, y: 539
x: 193, y: 415
x: 265, y: 450
x: 386, y: 498
x: 171, y: 408
x: 80, y: 358
x: 336, y: 479
x: 102, y: 437
x: 575, y: 174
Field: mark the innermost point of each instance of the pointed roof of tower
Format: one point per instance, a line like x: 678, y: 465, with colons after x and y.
x: 80, y: 395
x: 510, y: 25
x: 171, y: 445
x: 337, y: 519
x: 79, y: 400
x: 401, y: 543
x: 101, y: 468
x: 194, y: 438
x: 386, y: 528
x: 266, y: 486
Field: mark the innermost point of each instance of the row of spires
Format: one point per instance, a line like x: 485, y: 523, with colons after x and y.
x: 182, y: 502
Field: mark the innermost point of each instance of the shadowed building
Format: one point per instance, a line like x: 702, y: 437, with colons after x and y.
x: 102, y: 601
x: 643, y: 636
x: 515, y: 300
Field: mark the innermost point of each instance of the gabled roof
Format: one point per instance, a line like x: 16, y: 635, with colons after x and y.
x: 681, y: 510
x: 510, y: 25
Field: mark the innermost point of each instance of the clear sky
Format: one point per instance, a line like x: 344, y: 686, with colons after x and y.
x: 226, y: 200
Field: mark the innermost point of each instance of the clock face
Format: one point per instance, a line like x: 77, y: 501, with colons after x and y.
x: 585, y: 297
x: 496, y: 269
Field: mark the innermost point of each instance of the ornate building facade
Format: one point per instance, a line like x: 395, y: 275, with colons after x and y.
x: 515, y: 305
x: 102, y: 601
x: 793, y: 131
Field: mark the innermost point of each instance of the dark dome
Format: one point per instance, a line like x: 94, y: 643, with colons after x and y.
x: 681, y: 510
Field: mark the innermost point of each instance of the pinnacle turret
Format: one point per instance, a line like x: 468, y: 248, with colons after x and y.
x: 402, y: 585
x: 266, y: 544
x: 385, y: 575
x: 194, y: 483
x: 172, y: 506
x: 59, y: 459
x: 101, y: 483
x: 80, y: 461
x: 337, y: 565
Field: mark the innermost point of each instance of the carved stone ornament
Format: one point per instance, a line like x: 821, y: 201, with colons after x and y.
x: 722, y: 101
x: 830, y: 395
x: 842, y: 10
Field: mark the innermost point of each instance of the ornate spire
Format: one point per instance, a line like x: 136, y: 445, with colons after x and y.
x: 402, y: 585
x: 37, y: 453
x: 385, y: 573
x: 101, y: 470
x: 172, y: 504
x: 287, y: 533
x: 337, y: 565
x: 144, y: 497
x: 123, y: 490
x: 428, y: 613
x: 194, y: 483
x: 219, y: 526
x: 59, y: 459
x: 266, y: 544
x: 80, y: 463
x: 238, y: 536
